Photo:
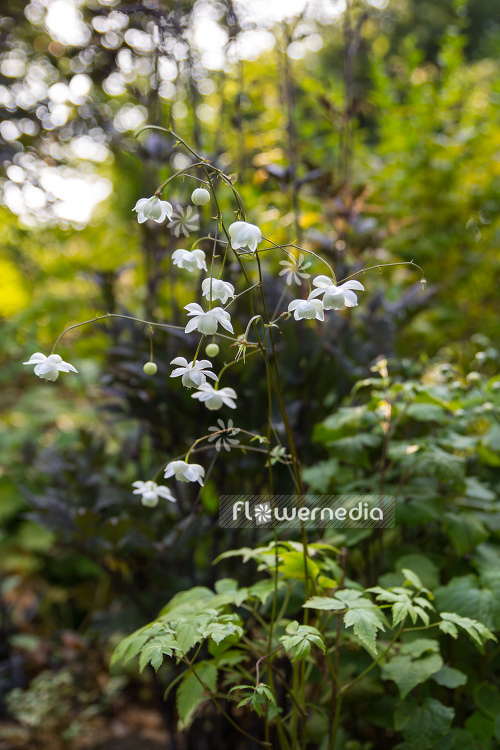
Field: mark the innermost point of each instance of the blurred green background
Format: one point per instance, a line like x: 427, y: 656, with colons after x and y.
x: 369, y: 136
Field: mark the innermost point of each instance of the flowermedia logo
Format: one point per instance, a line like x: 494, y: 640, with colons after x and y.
x: 314, y: 511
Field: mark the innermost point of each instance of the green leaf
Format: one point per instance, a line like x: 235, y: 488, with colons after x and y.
x: 466, y: 531
x: 412, y: 578
x: 426, y: 412
x: 419, y: 646
x: 192, y: 601
x: 262, y: 590
x: 476, y: 630
x: 227, y: 625
x: 365, y: 622
x: 301, y: 640
x: 229, y: 587
x: 191, y: 694
x: 447, y: 467
x: 325, y: 603
x: 450, y: 677
x: 480, y: 726
x: 154, y: 651
x: 464, y: 596
x: 407, y: 673
x: 132, y: 644
x: 292, y: 566
x: 487, y: 699
x: 186, y: 633
x: 424, y: 568
x: 319, y: 476
x: 427, y: 724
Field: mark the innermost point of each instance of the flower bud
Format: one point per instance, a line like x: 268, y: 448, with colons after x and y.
x: 212, y: 350
x: 150, y: 368
x: 200, y: 197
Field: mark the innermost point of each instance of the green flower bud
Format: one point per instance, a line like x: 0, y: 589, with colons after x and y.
x: 212, y: 350
x: 200, y: 197
x: 150, y: 368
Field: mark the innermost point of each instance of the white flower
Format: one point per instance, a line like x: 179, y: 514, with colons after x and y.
x: 307, y: 308
x: 192, y: 375
x: 207, y: 322
x: 223, y: 436
x: 200, y: 197
x: 213, y: 399
x: 49, y: 367
x: 217, y: 289
x: 185, y: 220
x: 295, y: 270
x: 152, y: 208
x: 151, y: 492
x: 243, y: 234
x: 184, y: 472
x: 190, y: 260
x: 335, y: 297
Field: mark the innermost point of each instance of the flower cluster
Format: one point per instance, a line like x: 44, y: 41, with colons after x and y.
x: 334, y: 298
x: 244, y: 237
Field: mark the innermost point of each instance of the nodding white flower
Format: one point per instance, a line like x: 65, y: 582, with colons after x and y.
x: 307, y: 308
x: 335, y: 297
x: 190, y: 260
x: 151, y: 492
x: 295, y: 269
x: 193, y: 375
x: 207, y: 322
x: 200, y: 197
x: 243, y: 234
x: 217, y: 289
x: 213, y: 399
x: 152, y: 208
x: 49, y: 367
x: 185, y: 472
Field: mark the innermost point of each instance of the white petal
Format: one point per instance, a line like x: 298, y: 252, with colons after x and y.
x: 194, y: 308
x: 323, y: 281
x: 316, y: 292
x: 192, y: 325
x: 353, y: 285
x: 227, y: 325
x: 35, y: 358
x: 350, y: 298
x: 180, y: 361
x: 44, y: 367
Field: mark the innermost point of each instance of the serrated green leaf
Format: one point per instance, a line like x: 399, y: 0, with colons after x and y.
x: 301, y: 640
x: 191, y: 694
x: 365, y: 623
x: 476, y: 630
x: 325, y: 603
x: 186, y: 633
x: 412, y: 578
